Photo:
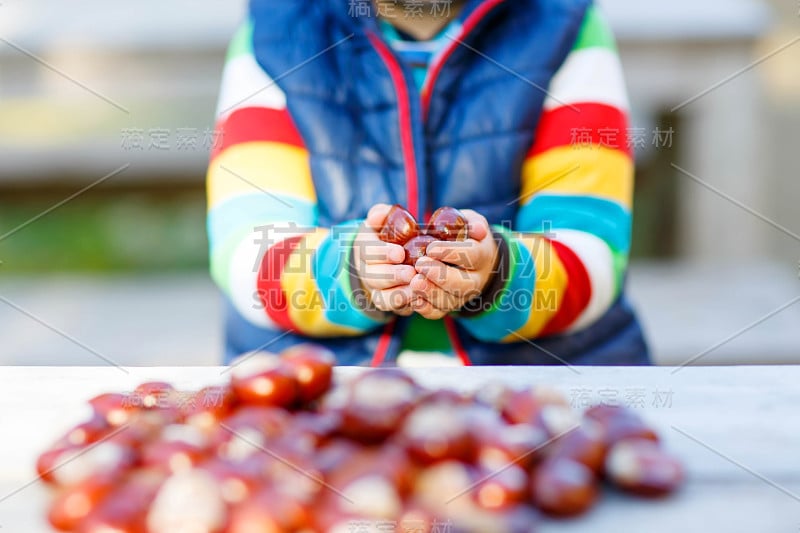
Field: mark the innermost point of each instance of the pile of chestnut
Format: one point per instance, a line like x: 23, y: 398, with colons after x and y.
x: 281, y: 448
x: 400, y: 227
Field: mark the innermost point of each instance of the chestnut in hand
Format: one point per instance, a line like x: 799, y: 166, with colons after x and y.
x: 447, y: 224
x: 399, y: 227
x: 415, y: 248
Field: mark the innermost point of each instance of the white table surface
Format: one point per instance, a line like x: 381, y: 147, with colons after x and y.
x: 736, y: 428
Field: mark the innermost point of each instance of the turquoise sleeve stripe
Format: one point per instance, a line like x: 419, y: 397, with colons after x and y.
x: 606, y: 219
x: 331, y: 273
x: 513, y: 305
x: 253, y: 210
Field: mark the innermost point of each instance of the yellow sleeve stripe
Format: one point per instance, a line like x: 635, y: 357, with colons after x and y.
x: 306, y: 305
x: 250, y: 167
x: 551, y: 284
x: 580, y: 170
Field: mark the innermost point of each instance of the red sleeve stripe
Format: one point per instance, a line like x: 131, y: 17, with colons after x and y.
x: 590, y: 123
x: 257, y: 124
x: 270, y: 291
x: 577, y: 294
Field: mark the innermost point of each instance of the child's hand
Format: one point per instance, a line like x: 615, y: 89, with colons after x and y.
x: 453, y: 273
x: 379, y: 266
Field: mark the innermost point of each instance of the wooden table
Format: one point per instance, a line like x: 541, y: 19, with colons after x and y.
x: 736, y: 428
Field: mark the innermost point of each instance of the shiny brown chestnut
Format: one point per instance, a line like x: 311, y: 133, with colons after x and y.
x: 125, y: 508
x: 237, y: 480
x: 520, y: 444
x: 619, y: 423
x: 388, y: 461
x: 436, y: 432
x: 154, y: 395
x: 399, y: 226
x: 415, y: 248
x: 172, y: 456
x: 563, y: 487
x: 115, y: 408
x: 641, y: 467
x: 50, y: 460
x: 104, y: 458
x: 585, y: 445
x: 447, y: 224
x: 208, y: 406
x: 188, y: 501
x: 269, y: 511
x: 312, y: 366
x: 501, y: 488
x: 377, y: 403
x: 74, y: 503
x: 263, y: 379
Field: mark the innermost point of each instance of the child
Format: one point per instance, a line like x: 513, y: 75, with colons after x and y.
x: 513, y: 112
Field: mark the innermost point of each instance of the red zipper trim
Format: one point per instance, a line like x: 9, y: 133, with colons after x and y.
x: 404, y: 109
x: 469, y: 24
x: 450, y: 326
x: 383, y: 344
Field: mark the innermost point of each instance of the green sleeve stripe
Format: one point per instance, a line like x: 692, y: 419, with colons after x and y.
x: 595, y: 32
x: 242, y: 42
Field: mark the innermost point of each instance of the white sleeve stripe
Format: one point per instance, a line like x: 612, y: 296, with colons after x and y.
x: 244, y: 268
x: 598, y: 261
x: 245, y: 84
x: 589, y: 75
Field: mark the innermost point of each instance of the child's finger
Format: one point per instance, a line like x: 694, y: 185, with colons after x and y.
x: 477, y: 224
x: 385, y: 276
x: 377, y: 215
x: 458, y: 282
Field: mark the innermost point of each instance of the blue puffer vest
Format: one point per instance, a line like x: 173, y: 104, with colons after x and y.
x: 371, y: 138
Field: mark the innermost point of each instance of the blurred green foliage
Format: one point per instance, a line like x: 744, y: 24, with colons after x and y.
x: 127, y: 232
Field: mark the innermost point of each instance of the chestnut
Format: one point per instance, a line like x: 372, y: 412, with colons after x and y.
x: 106, y: 458
x: 50, y: 460
x: 436, y: 432
x: 248, y: 431
x: 74, y: 503
x: 172, y: 456
x: 87, y: 432
x: 447, y: 224
x: 377, y: 403
x: 269, y: 511
x: 373, y: 497
x: 115, y: 408
x: 188, y: 501
x: 618, y: 423
x: 501, y: 488
x: 237, y: 480
x: 125, y: 508
x: 208, y: 406
x: 641, y: 467
x: 388, y: 461
x: 520, y: 444
x: 154, y: 395
x: 263, y: 379
x: 293, y: 474
x: 563, y: 487
x: 399, y: 226
x: 585, y: 445
x: 312, y: 366
x: 541, y: 407
x: 443, y: 488
x: 415, y: 248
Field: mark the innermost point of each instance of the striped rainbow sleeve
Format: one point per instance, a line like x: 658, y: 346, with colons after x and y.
x: 565, y: 263
x: 278, y: 269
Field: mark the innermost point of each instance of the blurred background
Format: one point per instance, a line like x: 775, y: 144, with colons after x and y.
x: 106, y: 121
